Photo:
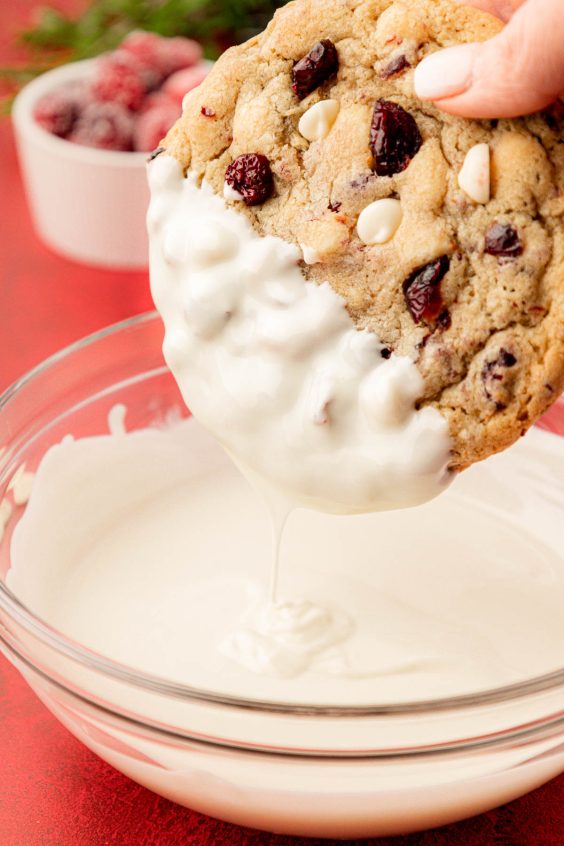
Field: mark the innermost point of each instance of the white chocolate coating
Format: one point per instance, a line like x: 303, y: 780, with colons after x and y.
x: 273, y: 366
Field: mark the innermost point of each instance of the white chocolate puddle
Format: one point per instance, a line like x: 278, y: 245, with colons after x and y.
x: 161, y: 559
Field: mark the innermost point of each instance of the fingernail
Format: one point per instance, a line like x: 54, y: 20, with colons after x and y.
x: 445, y: 73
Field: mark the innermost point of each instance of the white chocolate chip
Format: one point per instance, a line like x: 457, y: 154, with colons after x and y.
x: 229, y: 193
x: 316, y: 123
x: 311, y: 256
x: 474, y: 176
x: 379, y: 221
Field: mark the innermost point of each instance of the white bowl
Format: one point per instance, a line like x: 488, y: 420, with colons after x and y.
x: 87, y: 204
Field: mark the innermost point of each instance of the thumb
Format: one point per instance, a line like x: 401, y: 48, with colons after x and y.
x: 517, y: 72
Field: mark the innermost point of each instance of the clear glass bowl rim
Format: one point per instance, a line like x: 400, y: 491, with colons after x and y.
x: 54, y: 639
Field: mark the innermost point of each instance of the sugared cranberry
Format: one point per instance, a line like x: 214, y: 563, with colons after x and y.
x: 395, y: 67
x: 316, y: 67
x: 145, y: 47
x: 119, y: 79
x: 183, y: 81
x: 422, y: 290
x: 152, y: 126
x: 144, y: 51
x: 250, y: 175
x: 107, y: 126
x: 155, y: 99
x: 162, y: 56
x: 57, y: 112
x: 179, y: 53
x: 394, y: 138
x: 503, y: 240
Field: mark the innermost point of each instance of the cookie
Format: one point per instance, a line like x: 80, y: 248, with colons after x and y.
x: 443, y: 235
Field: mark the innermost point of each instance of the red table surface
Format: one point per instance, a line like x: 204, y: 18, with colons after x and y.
x: 53, y: 791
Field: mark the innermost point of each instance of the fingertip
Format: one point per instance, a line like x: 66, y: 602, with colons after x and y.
x: 445, y: 73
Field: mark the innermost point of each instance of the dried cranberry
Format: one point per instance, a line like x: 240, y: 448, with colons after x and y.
x: 395, y: 67
x: 503, y: 240
x: 334, y: 207
x: 496, y: 385
x: 444, y: 319
x: 422, y: 289
x: 321, y: 62
x: 156, y: 152
x: 207, y: 112
x: 250, y: 175
x: 385, y: 352
x: 394, y: 138
x: 506, y: 359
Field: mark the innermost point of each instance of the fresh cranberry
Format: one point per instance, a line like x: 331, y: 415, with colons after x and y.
x: 422, y: 290
x: 152, y: 126
x: 119, y: 79
x: 107, y: 126
x: 57, y: 112
x: 316, y: 67
x: 395, y: 67
x: 394, y: 138
x: 503, y: 240
x: 183, y: 81
x: 250, y: 175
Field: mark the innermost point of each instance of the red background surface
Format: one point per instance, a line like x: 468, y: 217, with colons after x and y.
x: 53, y: 791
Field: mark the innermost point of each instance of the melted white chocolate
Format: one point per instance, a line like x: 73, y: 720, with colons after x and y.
x: 273, y: 366
x: 152, y: 549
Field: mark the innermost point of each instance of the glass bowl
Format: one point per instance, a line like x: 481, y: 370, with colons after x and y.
x: 299, y: 769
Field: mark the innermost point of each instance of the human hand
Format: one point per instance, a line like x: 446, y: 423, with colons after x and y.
x: 515, y: 73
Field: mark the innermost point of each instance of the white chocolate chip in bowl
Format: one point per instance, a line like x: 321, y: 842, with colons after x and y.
x: 474, y: 176
x: 379, y: 221
x: 316, y: 123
